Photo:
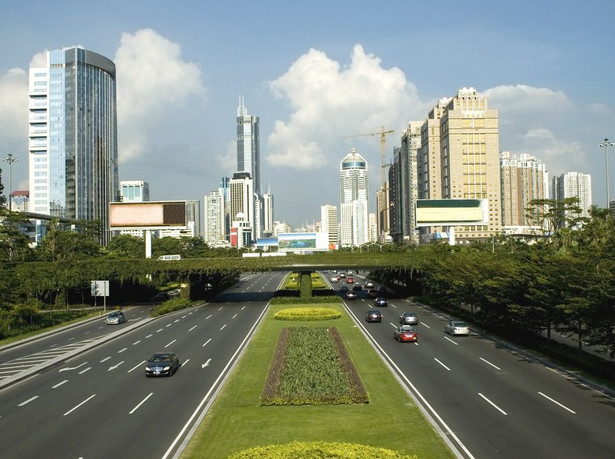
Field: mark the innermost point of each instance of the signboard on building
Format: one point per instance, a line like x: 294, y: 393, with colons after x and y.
x: 451, y: 212
x: 299, y: 242
x: 150, y: 215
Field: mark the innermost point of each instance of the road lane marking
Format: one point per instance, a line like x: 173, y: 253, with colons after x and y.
x: 170, y: 343
x: 193, y: 328
x: 85, y: 401
x: 557, y: 403
x: 28, y: 401
x: 71, y: 368
x: 159, y: 330
x: 141, y: 403
x: 223, y: 327
x: 115, y: 366
x: 136, y: 366
x: 425, y: 325
x: 206, y: 364
x: 489, y: 363
x: 176, y: 320
x: 442, y: 364
x: 208, y: 317
x: 168, y: 325
x: 59, y: 384
x: 149, y: 336
x: 105, y: 359
x: 136, y: 342
x: 121, y: 350
x: 493, y: 405
x: 452, y: 341
x: 84, y: 371
x: 234, y: 316
x: 206, y: 342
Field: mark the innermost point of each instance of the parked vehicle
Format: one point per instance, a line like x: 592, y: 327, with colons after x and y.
x: 405, y: 333
x: 373, y: 315
x: 408, y: 318
x: 457, y: 327
x: 161, y: 364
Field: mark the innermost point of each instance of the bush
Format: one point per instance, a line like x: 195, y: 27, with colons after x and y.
x: 171, y: 305
x: 307, y: 313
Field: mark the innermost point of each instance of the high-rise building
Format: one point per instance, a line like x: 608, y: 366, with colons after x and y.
x: 213, y: 221
x: 354, y: 226
x: 330, y: 225
x: 523, y: 180
x: 267, y: 200
x: 241, y: 205
x: 134, y: 191
x: 73, y: 158
x: 459, y: 158
x: 574, y: 185
x: 248, y: 145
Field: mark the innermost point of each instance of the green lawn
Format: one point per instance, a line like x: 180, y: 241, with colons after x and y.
x: 236, y: 420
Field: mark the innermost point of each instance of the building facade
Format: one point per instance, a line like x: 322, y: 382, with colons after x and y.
x: 354, y: 210
x: 248, y: 145
x: 213, y: 219
x: 134, y: 191
x: 241, y: 205
x: 574, y: 185
x: 73, y: 158
x: 330, y: 225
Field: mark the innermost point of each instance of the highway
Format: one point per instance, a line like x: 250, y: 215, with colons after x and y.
x: 489, y: 400
x: 99, y: 404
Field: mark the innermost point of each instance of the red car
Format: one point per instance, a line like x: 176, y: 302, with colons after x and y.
x: 350, y: 280
x: 406, y: 333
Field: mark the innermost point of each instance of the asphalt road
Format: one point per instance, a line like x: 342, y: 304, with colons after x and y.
x: 489, y: 400
x: 99, y: 404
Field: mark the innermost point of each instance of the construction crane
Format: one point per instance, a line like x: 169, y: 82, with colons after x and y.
x: 383, y: 133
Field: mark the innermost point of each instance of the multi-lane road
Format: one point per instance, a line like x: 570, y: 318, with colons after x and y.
x: 94, y: 401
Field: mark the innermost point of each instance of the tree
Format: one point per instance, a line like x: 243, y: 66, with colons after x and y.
x: 14, y: 243
x: 553, y: 214
x: 126, y: 246
x: 61, y: 245
x: 2, y: 197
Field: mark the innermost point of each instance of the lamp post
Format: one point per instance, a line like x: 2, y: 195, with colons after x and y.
x: 10, y: 160
x: 606, y: 144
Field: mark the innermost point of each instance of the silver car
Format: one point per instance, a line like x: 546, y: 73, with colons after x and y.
x: 457, y: 327
x: 115, y: 318
x: 408, y: 318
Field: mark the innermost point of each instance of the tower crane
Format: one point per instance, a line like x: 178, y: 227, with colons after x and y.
x: 383, y: 133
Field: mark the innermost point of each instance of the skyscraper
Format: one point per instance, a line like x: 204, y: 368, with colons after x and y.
x: 242, y: 207
x: 329, y: 224
x: 213, y: 213
x: 574, y: 185
x: 73, y: 163
x: 248, y: 145
x: 354, y: 227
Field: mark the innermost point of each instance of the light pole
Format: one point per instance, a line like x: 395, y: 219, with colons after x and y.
x: 10, y: 160
x: 606, y: 144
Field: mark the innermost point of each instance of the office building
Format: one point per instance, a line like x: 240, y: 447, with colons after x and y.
x: 213, y: 222
x: 241, y: 205
x: 354, y: 225
x: 73, y: 158
x: 248, y: 145
x: 329, y: 225
x: 268, y: 205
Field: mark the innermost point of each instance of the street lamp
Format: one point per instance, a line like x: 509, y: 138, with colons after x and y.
x: 10, y: 160
x: 606, y: 144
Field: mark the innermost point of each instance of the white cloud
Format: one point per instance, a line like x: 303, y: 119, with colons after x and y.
x: 13, y: 110
x: 329, y: 102
x: 523, y: 100
x: 559, y: 156
x: 152, y: 82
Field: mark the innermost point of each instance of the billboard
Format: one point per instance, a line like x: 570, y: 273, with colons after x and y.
x: 147, y: 215
x: 296, y: 242
x: 451, y: 212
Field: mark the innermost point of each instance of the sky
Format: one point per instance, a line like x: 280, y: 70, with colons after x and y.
x: 321, y: 76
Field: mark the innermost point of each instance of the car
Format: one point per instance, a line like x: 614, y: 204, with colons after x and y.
x: 369, y: 284
x: 161, y: 364
x: 408, y: 318
x: 406, y: 333
x: 161, y: 296
x: 115, y: 318
x: 381, y: 302
x: 334, y: 279
x: 350, y: 295
x: 344, y: 289
x: 372, y: 293
x: 341, y: 275
x: 373, y: 315
x: 357, y: 287
x: 457, y: 327
x: 350, y: 280
x: 381, y: 289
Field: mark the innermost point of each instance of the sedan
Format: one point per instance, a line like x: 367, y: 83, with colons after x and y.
x: 381, y: 302
x: 369, y: 284
x: 344, y: 289
x: 334, y: 279
x: 350, y: 280
x: 405, y: 333
x: 408, y: 318
x: 115, y: 318
x: 351, y: 295
x: 457, y: 327
x: 373, y: 316
x: 372, y: 293
x: 161, y: 364
x: 357, y: 287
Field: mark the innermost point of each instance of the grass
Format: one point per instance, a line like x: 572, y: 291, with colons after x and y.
x: 237, y: 421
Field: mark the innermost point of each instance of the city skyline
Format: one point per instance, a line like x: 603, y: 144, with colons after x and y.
x: 323, y: 72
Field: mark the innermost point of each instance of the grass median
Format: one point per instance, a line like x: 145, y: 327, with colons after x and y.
x: 237, y: 421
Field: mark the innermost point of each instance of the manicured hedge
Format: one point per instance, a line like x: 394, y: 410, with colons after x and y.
x: 307, y: 313
x: 319, y: 450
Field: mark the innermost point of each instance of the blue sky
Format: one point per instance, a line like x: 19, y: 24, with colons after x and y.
x: 316, y: 72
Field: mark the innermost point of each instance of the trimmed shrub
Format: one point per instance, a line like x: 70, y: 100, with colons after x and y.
x: 307, y: 313
x: 171, y: 305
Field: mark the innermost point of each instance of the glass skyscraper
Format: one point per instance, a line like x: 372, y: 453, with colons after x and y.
x: 248, y: 146
x: 354, y: 227
x: 73, y: 158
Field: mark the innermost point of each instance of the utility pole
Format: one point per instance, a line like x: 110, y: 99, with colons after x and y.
x: 10, y: 160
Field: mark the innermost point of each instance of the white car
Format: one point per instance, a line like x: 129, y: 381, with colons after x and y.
x: 115, y: 318
x: 457, y: 327
x: 334, y: 279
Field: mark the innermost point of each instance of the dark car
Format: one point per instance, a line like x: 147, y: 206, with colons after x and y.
x: 162, y: 364
x: 344, y: 289
x: 408, y: 318
x: 373, y: 316
x: 357, y: 287
x: 350, y: 295
x: 381, y: 302
x: 115, y: 318
x: 372, y: 293
x: 381, y: 290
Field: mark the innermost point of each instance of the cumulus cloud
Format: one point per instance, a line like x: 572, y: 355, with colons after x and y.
x: 13, y: 110
x: 152, y: 80
x: 329, y: 101
x: 523, y: 100
x: 559, y: 156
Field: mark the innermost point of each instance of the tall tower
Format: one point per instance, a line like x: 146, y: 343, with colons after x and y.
x: 241, y: 205
x: 248, y: 145
x: 73, y: 163
x: 213, y: 219
x: 330, y: 225
x: 354, y: 228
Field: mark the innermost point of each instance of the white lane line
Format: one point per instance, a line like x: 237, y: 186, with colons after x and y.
x: 243, y: 307
x: 122, y: 350
x: 149, y: 336
x: 452, y: 341
x: 141, y: 403
x: 105, y: 359
x: 208, y: 317
x: 28, y: 401
x: 425, y: 325
x: 176, y: 320
x: 184, y: 363
x: 493, y: 405
x: 84, y: 371
x: 85, y: 401
x: 234, y: 316
x: 489, y: 363
x: 193, y: 328
x: 206, y: 342
x: 59, y: 384
x: 442, y: 364
x: 136, y: 342
x: 115, y: 366
x: 136, y: 366
x: 203, y: 365
x: 168, y: 325
x: 223, y: 327
x: 557, y: 403
x: 159, y: 330
x: 220, y: 308
x: 170, y: 343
